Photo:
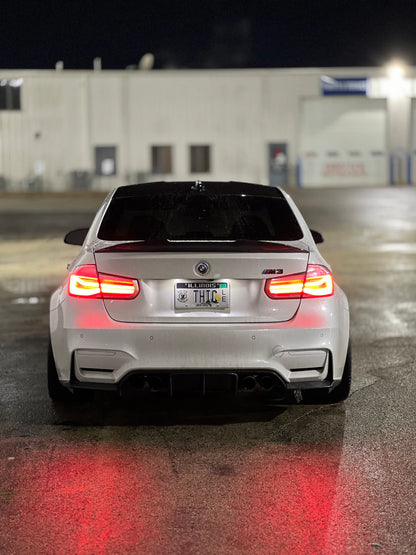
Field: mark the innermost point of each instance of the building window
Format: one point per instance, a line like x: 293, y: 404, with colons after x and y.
x: 200, y: 156
x: 105, y: 160
x: 161, y: 159
x: 10, y: 94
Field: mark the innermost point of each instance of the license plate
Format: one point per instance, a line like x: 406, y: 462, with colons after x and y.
x: 200, y: 296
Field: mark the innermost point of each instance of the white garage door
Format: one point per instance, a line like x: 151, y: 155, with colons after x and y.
x: 343, y: 142
x: 412, y: 158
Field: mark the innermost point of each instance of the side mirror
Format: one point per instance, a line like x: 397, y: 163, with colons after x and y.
x: 76, y: 237
x: 317, y: 237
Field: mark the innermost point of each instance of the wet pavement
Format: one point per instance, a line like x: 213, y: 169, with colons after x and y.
x: 117, y: 477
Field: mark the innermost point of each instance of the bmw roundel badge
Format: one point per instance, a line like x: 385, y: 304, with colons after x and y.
x: 202, y: 268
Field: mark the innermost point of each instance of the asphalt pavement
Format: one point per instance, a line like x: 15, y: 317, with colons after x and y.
x: 113, y: 476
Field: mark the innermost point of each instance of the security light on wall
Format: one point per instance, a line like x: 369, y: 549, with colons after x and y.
x: 398, y: 86
x: 396, y: 70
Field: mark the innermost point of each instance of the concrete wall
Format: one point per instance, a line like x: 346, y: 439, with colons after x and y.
x: 66, y: 114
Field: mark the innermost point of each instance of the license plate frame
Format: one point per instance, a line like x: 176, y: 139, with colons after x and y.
x: 206, y: 295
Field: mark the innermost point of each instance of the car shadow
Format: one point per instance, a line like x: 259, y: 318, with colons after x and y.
x: 110, y: 410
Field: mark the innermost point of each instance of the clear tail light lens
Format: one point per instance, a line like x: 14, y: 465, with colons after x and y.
x: 317, y: 282
x: 87, y: 282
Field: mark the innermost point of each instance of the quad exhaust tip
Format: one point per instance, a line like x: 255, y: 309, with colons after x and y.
x: 264, y: 382
x: 155, y: 383
x: 247, y: 383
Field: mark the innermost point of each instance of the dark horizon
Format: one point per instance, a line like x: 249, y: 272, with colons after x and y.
x: 200, y: 34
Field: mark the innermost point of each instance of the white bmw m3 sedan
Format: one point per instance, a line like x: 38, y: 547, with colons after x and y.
x: 199, y: 288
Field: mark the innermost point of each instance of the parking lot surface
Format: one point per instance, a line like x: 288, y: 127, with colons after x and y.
x: 117, y: 476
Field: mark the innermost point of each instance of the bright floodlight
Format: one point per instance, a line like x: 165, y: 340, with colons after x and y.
x: 395, y: 70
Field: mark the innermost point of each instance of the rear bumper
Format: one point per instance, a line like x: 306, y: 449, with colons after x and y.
x: 308, y: 351
x: 250, y: 384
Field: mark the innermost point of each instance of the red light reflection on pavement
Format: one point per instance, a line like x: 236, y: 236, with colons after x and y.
x: 79, y: 499
x: 104, y: 498
x: 294, y: 504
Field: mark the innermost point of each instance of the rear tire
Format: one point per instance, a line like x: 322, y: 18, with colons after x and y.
x: 339, y: 393
x: 58, y: 392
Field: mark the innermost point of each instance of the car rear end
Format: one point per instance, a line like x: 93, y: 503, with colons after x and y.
x: 202, y: 288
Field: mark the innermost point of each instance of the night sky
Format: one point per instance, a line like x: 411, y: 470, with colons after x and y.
x: 206, y: 33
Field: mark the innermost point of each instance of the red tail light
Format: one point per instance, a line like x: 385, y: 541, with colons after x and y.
x: 87, y: 282
x: 317, y: 282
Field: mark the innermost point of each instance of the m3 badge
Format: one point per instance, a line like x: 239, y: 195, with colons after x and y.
x: 272, y: 271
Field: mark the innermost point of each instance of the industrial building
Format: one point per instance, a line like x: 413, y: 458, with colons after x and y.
x: 76, y: 130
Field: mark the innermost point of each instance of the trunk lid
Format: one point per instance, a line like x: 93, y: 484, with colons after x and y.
x: 202, y: 285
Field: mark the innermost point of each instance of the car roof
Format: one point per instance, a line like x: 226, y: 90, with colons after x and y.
x: 208, y: 187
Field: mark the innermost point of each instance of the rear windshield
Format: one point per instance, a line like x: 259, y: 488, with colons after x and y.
x: 196, y: 217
